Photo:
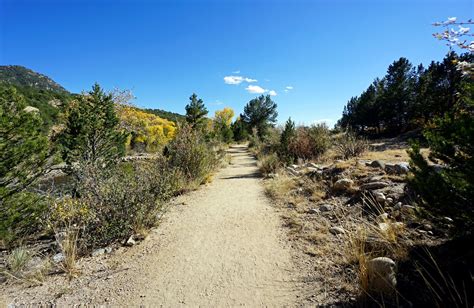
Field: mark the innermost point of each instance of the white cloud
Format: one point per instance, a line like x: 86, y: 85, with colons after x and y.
x: 272, y: 93
x: 289, y: 87
x: 237, y: 79
x: 255, y: 89
x: 236, y: 72
x: 286, y: 90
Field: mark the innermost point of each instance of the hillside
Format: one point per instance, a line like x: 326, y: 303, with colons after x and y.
x: 171, y: 116
x: 21, y: 76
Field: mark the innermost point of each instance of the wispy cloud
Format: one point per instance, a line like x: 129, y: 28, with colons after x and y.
x: 272, y: 93
x: 236, y: 72
x: 237, y: 79
x: 216, y: 103
x: 255, y: 89
x: 289, y: 87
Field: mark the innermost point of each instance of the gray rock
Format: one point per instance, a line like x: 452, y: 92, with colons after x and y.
x: 390, y: 168
x: 130, y: 241
x: 373, y: 185
x: 343, y: 184
x: 326, y: 207
x: 98, y: 252
x: 108, y: 249
x: 337, y: 230
x: 59, y: 257
x: 379, y: 197
x: 377, y: 164
x: 381, y: 274
x: 402, y: 168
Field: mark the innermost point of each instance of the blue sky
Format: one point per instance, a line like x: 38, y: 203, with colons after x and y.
x: 326, y: 51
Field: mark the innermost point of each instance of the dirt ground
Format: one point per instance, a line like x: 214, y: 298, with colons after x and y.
x: 222, y: 246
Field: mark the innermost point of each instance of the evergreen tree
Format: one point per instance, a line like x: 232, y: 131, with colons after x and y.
x: 195, y: 111
x: 23, y: 145
x: 286, y: 137
x: 23, y: 152
x: 239, y: 130
x: 260, y: 113
x: 91, y: 132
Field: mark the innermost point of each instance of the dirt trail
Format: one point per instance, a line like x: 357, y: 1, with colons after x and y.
x: 222, y: 246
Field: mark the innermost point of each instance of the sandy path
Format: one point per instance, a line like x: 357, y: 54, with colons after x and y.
x: 222, y: 246
x: 224, y: 249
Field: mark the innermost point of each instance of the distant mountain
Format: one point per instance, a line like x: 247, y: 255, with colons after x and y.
x: 17, y: 75
x: 171, y: 116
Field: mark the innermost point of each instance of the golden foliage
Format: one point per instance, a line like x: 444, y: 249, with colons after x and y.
x: 147, y: 130
x: 224, y: 116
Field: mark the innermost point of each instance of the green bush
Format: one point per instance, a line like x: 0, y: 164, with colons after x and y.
x: 448, y: 189
x: 191, y: 155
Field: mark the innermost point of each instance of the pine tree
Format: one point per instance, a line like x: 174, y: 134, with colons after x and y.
x: 91, y: 133
x: 260, y: 113
x: 289, y: 132
x: 196, y: 111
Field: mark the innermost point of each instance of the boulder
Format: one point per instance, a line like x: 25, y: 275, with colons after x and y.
x: 343, y: 185
x: 373, y: 185
x: 377, y: 164
x: 337, y: 230
x: 397, y: 168
x: 381, y: 274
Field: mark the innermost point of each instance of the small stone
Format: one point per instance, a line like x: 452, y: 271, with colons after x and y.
x: 402, y: 168
x: 377, y: 164
x: 380, y: 197
x: 337, y: 230
x: 108, y: 249
x: 130, y: 241
x: 343, y: 184
x: 373, y: 185
x: 98, y: 252
x: 326, y: 207
x: 381, y: 275
x: 59, y: 257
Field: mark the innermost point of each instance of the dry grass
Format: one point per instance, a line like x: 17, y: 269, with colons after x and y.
x: 68, y: 241
x: 280, y: 188
x: 18, y: 259
x: 19, y: 267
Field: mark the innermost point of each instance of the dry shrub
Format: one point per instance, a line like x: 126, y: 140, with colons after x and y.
x: 269, y: 164
x: 348, y: 145
x: 310, y: 142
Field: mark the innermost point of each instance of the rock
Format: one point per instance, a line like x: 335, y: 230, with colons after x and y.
x: 292, y: 171
x: 379, y: 197
x: 108, y: 249
x: 427, y: 227
x: 98, y: 252
x: 402, y: 168
x: 313, y: 211
x: 343, y: 184
x: 326, y: 207
x: 397, y: 206
x: 373, y: 185
x: 337, y: 230
x: 31, y: 109
x: 59, y: 257
x: 390, y: 200
x: 398, y: 168
x: 130, y: 241
x: 381, y: 274
x: 377, y: 164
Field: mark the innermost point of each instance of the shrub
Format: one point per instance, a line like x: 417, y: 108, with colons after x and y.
x: 269, y: 163
x: 191, y: 155
x: 310, y: 142
x: 348, y: 145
